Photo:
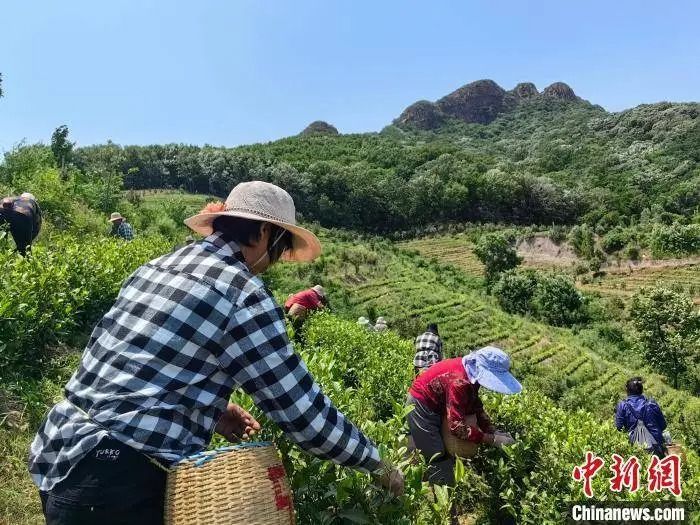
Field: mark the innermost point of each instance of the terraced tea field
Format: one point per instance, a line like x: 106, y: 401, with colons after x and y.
x: 622, y: 281
x: 576, y: 372
x: 453, y: 249
x: 624, y: 284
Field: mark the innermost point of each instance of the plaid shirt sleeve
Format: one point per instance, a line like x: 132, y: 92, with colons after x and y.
x: 259, y: 357
x: 125, y: 231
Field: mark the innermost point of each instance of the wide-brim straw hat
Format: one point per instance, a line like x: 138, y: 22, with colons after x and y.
x: 115, y: 216
x: 262, y: 201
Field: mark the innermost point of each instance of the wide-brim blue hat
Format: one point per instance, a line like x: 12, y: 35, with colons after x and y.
x: 490, y: 367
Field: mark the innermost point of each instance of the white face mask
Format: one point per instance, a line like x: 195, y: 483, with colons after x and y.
x: 267, y: 251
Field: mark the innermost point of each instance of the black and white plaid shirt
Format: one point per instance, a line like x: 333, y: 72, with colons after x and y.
x: 158, y: 371
x: 428, y: 350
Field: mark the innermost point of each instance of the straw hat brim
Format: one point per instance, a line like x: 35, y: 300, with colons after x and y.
x: 116, y: 219
x: 305, y: 245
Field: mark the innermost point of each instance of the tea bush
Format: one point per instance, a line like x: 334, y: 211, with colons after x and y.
x: 367, y: 376
x: 61, y: 287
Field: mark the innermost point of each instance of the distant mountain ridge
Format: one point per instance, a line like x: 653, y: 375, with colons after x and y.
x: 479, y: 102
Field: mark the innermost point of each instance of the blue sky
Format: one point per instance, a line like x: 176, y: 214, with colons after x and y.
x: 234, y: 72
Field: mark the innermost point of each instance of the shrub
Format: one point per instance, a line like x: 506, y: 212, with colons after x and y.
x: 582, y: 240
x: 529, y: 482
x: 557, y: 301
x: 497, y: 254
x: 675, y: 240
x: 668, y: 326
x: 558, y: 234
x: 514, y: 291
x: 59, y: 289
x: 614, y: 240
x: 633, y: 253
x: 552, y: 298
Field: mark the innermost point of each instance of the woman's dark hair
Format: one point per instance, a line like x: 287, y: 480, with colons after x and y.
x: 242, y: 231
x: 432, y: 327
x: 280, y: 242
x: 634, y: 386
x: 246, y: 231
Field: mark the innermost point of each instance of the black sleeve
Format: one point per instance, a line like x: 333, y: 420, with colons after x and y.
x: 37, y: 217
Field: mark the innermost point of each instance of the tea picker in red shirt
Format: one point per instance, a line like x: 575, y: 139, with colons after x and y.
x: 300, y: 304
x: 450, y: 389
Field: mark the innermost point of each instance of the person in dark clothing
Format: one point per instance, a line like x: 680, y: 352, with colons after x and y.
x: 639, y: 408
x: 23, y: 216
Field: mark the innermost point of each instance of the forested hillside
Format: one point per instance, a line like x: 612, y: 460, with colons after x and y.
x: 546, y: 160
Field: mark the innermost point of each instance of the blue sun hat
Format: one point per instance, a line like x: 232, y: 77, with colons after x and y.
x: 490, y: 367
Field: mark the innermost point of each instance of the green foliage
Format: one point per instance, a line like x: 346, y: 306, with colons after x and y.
x: 553, y: 298
x: 557, y: 301
x: 545, y: 162
x: 675, y: 240
x: 558, y: 234
x: 583, y: 241
x: 615, y: 240
x: 365, y: 182
x: 366, y: 375
x: 63, y: 194
x: 61, y: 289
x: 61, y: 147
x: 515, y: 290
x: 497, y: 254
x: 668, y: 325
x: 633, y: 253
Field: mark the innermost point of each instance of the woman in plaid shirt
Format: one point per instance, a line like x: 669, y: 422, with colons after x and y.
x: 159, y: 368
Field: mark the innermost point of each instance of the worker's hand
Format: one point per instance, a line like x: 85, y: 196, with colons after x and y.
x: 392, y: 480
x: 236, y: 424
x: 502, y: 439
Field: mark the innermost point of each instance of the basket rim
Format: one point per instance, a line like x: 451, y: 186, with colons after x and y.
x: 202, y: 457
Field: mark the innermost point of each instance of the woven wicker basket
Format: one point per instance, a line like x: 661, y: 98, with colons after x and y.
x: 675, y: 448
x: 456, y: 446
x: 238, y: 485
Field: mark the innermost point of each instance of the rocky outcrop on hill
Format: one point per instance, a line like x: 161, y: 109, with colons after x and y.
x: 559, y: 90
x: 478, y: 102
x: 421, y: 115
x: 524, y: 90
x: 319, y: 127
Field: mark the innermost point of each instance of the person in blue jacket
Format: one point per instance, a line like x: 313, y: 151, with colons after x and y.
x: 637, y: 407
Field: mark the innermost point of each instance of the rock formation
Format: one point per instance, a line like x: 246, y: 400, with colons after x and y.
x: 319, y: 127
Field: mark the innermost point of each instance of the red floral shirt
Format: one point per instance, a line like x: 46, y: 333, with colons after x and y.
x: 445, y: 389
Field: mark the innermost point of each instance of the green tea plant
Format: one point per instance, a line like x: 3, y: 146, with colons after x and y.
x: 530, y: 481
x: 59, y: 289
